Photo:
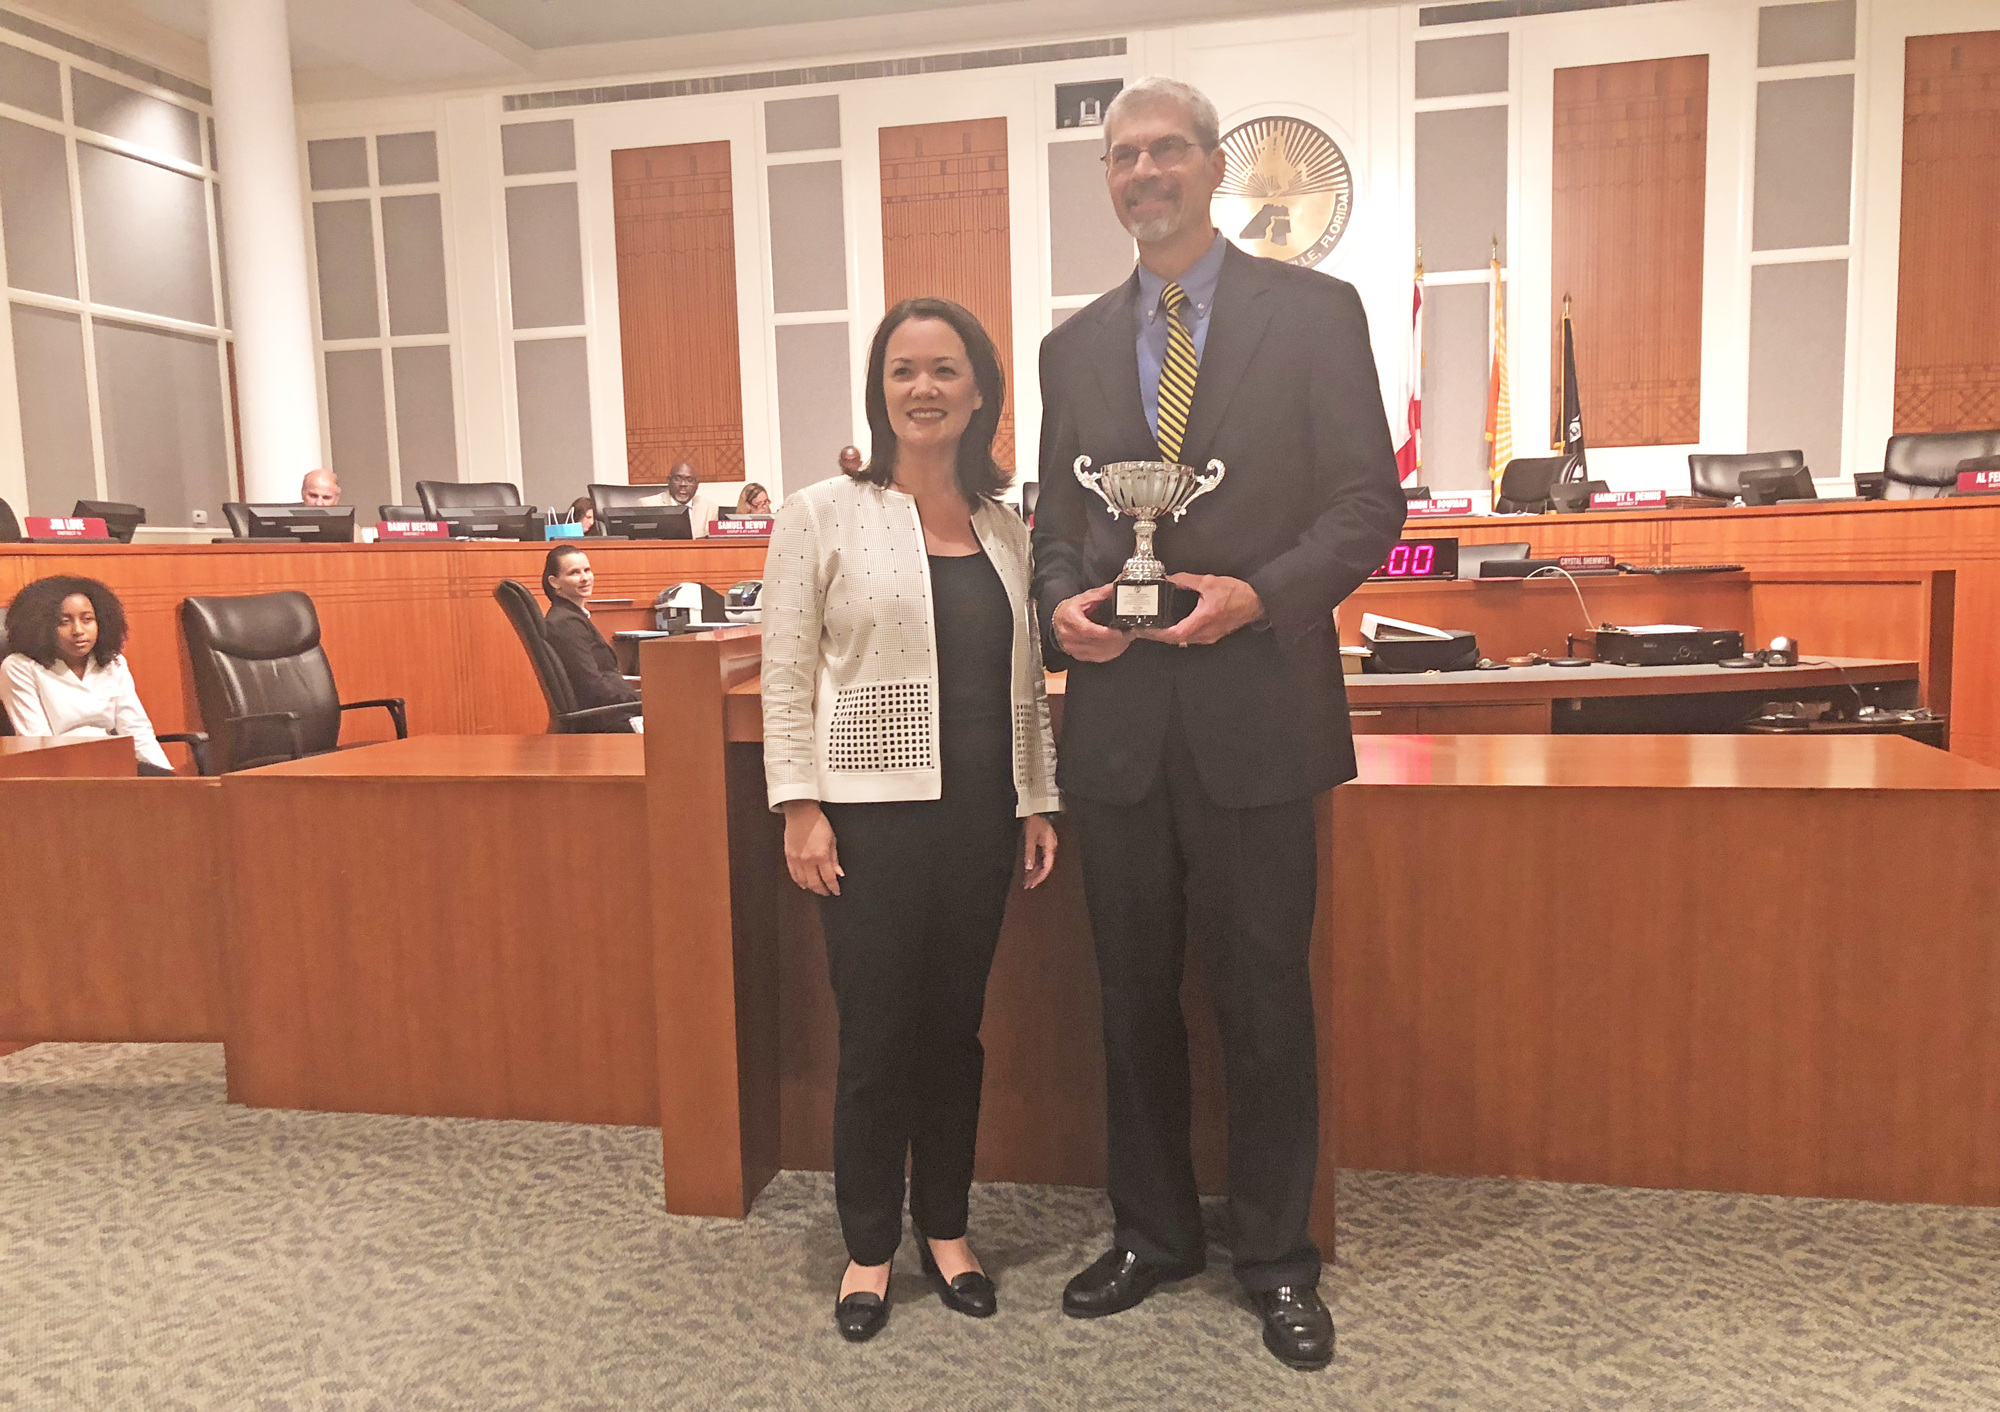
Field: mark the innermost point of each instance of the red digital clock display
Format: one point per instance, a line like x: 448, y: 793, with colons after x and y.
x: 1420, y: 559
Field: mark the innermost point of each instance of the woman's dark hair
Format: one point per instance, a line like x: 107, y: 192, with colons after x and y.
x: 980, y: 477
x: 552, y: 565
x: 32, y: 618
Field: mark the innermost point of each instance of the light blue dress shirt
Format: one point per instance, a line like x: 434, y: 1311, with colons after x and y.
x: 1199, y: 286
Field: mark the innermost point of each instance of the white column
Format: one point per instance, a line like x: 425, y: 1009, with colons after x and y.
x: 263, y: 217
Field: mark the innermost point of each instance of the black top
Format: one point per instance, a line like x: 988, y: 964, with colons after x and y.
x: 975, y: 663
x: 587, y: 659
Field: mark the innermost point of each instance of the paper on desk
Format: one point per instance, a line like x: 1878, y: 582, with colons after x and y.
x: 1660, y: 627
x: 1376, y: 628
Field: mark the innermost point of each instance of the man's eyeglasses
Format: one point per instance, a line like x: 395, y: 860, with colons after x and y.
x: 1167, y: 152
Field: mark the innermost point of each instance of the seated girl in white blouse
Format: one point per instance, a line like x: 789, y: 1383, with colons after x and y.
x: 65, y: 677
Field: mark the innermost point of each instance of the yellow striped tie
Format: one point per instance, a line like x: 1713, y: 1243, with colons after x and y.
x: 1176, y: 375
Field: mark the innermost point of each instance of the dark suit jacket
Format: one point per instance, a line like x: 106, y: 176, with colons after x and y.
x: 1309, y: 506
x: 587, y: 658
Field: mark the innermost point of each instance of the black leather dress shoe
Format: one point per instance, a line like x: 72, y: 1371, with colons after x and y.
x: 860, y: 1316
x: 971, y: 1293
x: 1115, y: 1281
x: 1297, y: 1327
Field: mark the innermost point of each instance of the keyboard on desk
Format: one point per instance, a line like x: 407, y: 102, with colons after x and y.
x: 1680, y: 568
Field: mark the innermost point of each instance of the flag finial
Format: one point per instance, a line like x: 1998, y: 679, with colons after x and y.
x: 1496, y: 249
x: 1420, y: 259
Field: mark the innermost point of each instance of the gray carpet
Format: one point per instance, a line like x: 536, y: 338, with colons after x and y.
x: 162, y: 1250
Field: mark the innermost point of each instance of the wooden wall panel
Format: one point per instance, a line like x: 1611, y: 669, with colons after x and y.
x: 945, y: 231
x: 1630, y: 174
x: 676, y: 230
x: 1947, y: 338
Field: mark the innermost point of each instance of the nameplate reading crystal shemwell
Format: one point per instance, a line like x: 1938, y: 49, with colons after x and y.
x: 1148, y: 491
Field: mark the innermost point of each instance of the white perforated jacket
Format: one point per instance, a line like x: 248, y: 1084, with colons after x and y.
x: 850, y: 651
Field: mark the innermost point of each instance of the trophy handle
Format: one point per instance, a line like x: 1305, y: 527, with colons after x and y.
x: 1093, y: 480
x: 1203, y: 484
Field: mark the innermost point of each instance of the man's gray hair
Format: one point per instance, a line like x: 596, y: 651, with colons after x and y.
x: 1157, y: 88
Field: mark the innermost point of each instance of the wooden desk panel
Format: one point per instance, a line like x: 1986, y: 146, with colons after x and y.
x: 1961, y: 534
x: 139, y: 956
x: 1673, y: 962
x: 410, y: 620
x: 447, y: 926
x: 46, y: 757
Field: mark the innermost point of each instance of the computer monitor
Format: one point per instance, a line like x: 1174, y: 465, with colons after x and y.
x: 494, y: 522
x: 302, y: 524
x: 646, y: 522
x: 121, y: 520
x: 1769, y: 487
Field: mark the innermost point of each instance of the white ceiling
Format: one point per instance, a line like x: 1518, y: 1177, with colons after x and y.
x: 557, y: 24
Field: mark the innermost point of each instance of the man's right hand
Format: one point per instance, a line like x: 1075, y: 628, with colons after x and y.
x: 1083, y: 639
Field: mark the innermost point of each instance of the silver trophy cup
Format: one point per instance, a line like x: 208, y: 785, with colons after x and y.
x: 1148, y: 491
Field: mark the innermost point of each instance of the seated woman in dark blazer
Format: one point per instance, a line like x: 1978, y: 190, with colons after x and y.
x: 585, y: 656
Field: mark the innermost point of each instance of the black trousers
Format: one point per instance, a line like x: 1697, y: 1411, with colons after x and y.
x: 909, y: 945
x: 1242, y: 882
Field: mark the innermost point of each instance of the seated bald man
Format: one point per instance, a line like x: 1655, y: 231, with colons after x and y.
x: 320, y: 488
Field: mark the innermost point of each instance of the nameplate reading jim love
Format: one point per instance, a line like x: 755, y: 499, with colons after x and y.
x: 1629, y: 500
x: 743, y: 527
x: 1442, y: 505
x: 412, y: 529
x: 1979, y: 482
x: 43, y: 527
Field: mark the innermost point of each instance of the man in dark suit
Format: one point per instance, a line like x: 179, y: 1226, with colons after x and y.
x: 587, y: 659
x: 1191, y: 754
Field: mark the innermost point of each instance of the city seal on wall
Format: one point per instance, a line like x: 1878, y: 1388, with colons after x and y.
x: 1288, y: 192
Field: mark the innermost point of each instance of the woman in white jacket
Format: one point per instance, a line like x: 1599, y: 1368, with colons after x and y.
x: 906, y: 739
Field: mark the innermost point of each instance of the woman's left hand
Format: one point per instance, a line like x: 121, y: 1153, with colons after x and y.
x: 1038, y: 850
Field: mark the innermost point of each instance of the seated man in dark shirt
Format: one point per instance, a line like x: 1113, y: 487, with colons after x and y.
x: 585, y: 656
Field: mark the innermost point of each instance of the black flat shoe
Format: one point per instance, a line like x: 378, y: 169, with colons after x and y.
x: 1297, y: 1327
x: 1115, y: 1282
x: 971, y: 1293
x: 860, y: 1316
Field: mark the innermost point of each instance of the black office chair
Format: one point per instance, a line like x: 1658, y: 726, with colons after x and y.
x: 401, y: 513
x: 238, y: 515
x: 564, y: 717
x: 263, y: 682
x: 120, y: 519
x: 1471, y: 556
x: 436, y: 495
x: 10, y: 528
x: 1416, y: 492
x: 1722, y: 476
x: 1922, y: 465
x: 1524, y: 485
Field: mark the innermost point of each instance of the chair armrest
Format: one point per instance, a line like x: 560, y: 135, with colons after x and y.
x: 616, y: 711
x: 197, y: 744
x: 234, y: 728
x: 393, y: 705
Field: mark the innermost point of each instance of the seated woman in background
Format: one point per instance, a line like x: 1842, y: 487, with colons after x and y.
x: 755, y: 500
x: 583, y: 511
x: 587, y: 659
x: 65, y: 677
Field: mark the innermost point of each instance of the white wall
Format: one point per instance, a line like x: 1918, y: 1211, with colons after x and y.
x: 1349, y: 71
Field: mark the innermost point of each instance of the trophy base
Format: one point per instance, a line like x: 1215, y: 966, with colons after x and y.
x: 1142, y: 605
